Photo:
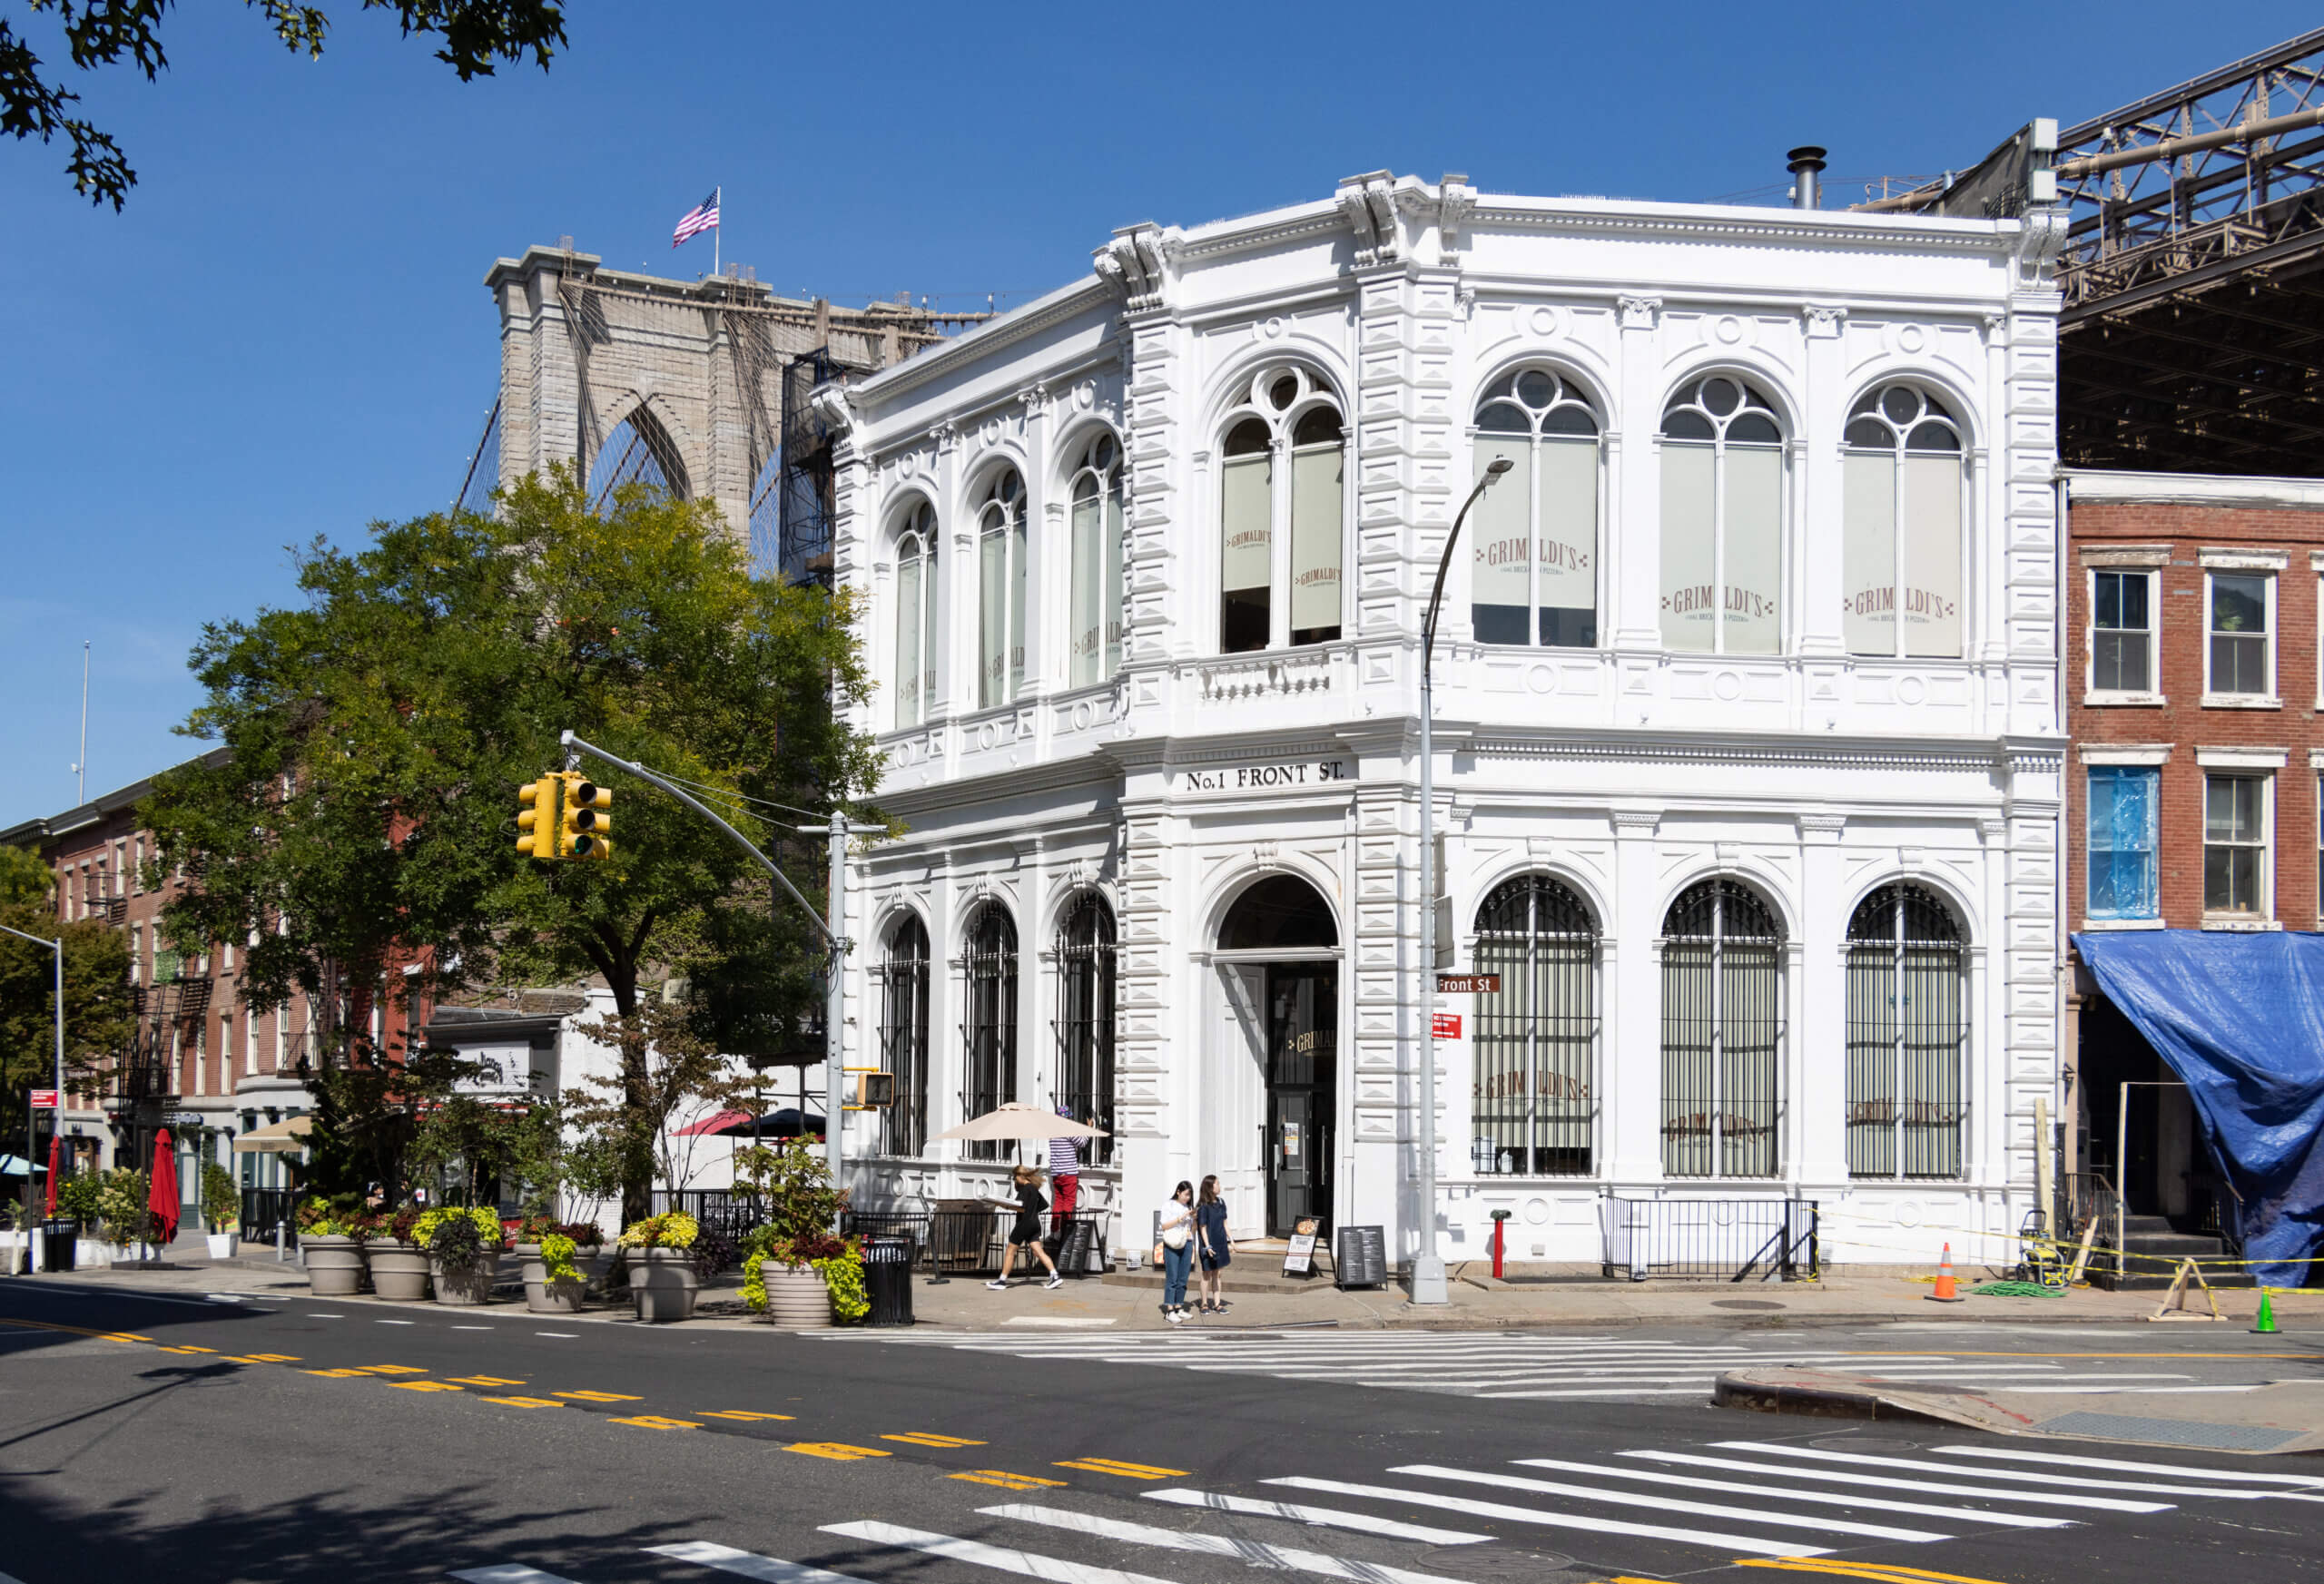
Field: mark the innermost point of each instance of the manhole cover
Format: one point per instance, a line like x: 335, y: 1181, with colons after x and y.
x: 1864, y: 1444
x: 1745, y: 1304
x: 1498, y: 1561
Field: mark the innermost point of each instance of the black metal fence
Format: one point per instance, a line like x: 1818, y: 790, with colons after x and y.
x: 954, y: 1239
x: 715, y: 1209
x: 1721, y: 1239
x: 265, y: 1210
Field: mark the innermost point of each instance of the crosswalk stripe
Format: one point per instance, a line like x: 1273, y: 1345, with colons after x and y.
x: 1031, y: 1564
x: 1765, y: 1548
x: 1322, y: 1516
x: 747, y: 1564
x: 1256, y: 1553
x: 506, y: 1573
x: 1922, y: 1465
x: 1824, y: 1497
x: 1670, y: 1503
x: 1889, y: 1482
x: 1698, y: 1389
x: 2117, y: 1391
x: 2121, y: 1465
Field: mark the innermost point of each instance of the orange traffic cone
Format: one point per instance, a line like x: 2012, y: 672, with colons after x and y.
x: 1945, y: 1292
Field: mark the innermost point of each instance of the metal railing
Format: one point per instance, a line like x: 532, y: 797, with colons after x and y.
x: 1720, y: 1239
x: 715, y: 1209
x: 267, y: 1210
x: 955, y: 1239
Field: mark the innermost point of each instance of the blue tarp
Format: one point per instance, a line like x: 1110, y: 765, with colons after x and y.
x: 2240, y: 1019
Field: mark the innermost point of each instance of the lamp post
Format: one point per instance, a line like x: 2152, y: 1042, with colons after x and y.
x: 31, y: 1117
x: 1428, y: 1265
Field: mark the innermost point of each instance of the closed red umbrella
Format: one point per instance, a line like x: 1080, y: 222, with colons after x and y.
x: 163, y: 1199
x: 55, y: 1139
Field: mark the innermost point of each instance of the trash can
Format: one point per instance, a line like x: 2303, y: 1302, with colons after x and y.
x: 59, y: 1242
x: 887, y: 1279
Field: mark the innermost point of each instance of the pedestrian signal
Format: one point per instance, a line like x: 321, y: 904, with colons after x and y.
x: 588, y: 823
x: 537, y: 817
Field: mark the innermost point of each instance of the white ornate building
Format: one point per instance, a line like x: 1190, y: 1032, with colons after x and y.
x: 1770, y: 876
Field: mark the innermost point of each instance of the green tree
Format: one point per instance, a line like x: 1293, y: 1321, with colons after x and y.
x: 99, y: 1006
x: 363, y: 825
x: 103, y: 32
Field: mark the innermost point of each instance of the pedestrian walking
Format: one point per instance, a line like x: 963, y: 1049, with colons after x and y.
x: 1029, y: 1204
x: 1210, y: 1245
x: 1175, y: 1251
x: 1065, y: 1179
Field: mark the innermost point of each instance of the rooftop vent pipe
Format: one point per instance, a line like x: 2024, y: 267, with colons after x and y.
x: 1807, y: 164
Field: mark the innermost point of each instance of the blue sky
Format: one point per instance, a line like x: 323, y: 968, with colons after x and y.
x: 287, y: 334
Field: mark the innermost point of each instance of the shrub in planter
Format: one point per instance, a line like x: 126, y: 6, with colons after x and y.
x: 121, y: 1205
x: 331, y: 1244
x: 400, y: 1269
x: 221, y: 1207
x: 663, y: 1280
x: 559, y: 1263
x: 77, y: 1199
x: 463, y: 1248
x: 805, y: 1282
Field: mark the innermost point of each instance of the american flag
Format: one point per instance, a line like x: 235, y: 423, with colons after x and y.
x: 701, y: 217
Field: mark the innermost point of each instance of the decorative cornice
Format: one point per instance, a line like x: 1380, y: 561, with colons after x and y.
x: 1010, y: 328
x: 1138, y: 261
x: 1638, y: 313
x: 1369, y: 202
x: 1824, y: 321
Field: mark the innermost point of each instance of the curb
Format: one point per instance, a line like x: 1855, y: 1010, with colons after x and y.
x: 1812, y: 1401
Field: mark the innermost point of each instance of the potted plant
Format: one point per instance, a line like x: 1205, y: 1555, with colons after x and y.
x: 399, y: 1263
x: 331, y: 1244
x: 123, y: 1210
x: 76, y: 1202
x: 559, y: 1263
x: 222, y: 1206
x: 793, y: 1255
x: 14, y: 1236
x: 663, y: 1280
x: 463, y: 1245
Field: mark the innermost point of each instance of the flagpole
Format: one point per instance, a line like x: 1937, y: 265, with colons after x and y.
x: 717, y: 201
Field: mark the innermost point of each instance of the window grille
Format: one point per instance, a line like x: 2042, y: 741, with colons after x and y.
x: 1722, y: 1033
x: 903, y: 1036
x: 1907, y: 979
x: 1535, y: 1097
x: 1085, y: 1020
x: 989, y: 1034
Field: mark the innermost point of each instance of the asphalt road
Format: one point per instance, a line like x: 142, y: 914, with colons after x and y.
x: 309, y: 1440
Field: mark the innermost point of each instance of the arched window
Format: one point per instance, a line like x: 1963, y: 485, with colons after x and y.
x: 1001, y: 590
x: 1281, y: 529
x: 1085, y: 1020
x: 1722, y: 1033
x: 1096, y: 494
x: 903, y: 1035
x: 1907, y: 1031
x: 1535, y: 578
x: 639, y: 451
x: 989, y: 1022
x: 915, y: 611
x: 1722, y: 520
x: 1535, y: 1092
x: 1901, y: 527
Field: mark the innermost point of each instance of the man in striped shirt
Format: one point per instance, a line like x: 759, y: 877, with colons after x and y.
x: 1065, y: 1177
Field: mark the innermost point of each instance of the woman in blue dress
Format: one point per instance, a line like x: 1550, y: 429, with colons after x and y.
x: 1210, y: 1244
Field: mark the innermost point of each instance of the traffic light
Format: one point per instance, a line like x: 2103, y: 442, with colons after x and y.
x: 588, y: 826
x: 537, y: 817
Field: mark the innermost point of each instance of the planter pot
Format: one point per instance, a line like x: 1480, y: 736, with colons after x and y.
x: 334, y: 1266
x: 222, y: 1245
x: 473, y: 1285
x: 544, y: 1297
x: 400, y: 1272
x: 662, y: 1284
x: 796, y: 1297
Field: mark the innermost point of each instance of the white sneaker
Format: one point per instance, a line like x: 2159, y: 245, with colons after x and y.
x: 1177, y: 1316
x: 1001, y: 1285
x: 1054, y: 1282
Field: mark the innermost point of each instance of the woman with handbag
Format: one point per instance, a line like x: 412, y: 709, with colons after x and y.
x: 1210, y: 1244
x: 1175, y: 1251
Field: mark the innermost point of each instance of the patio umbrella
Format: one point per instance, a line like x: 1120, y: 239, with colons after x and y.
x: 163, y: 1200
x: 55, y: 1142
x: 716, y: 1122
x: 16, y: 1166
x: 1022, y: 1122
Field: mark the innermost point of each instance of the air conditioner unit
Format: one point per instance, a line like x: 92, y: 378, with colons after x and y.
x: 869, y: 1091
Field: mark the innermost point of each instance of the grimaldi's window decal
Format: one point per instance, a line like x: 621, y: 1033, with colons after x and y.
x: 1283, y: 413
x: 1535, y: 576
x: 1901, y: 527
x: 1722, y: 520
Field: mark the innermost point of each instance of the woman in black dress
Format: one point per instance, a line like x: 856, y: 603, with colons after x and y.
x: 1027, y: 1233
x: 1211, y: 1246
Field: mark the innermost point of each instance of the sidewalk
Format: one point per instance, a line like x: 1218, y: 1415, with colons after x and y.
x: 1125, y: 1301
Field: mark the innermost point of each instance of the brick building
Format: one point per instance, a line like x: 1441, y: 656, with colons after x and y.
x: 2193, y: 699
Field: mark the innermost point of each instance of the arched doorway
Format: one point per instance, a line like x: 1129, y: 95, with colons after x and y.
x: 1279, y: 951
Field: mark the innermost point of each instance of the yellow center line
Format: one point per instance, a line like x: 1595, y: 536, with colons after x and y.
x: 656, y: 1421
x: 526, y: 1401
x: 837, y: 1451
x: 743, y: 1413
x: 1883, y: 1572
x: 77, y: 1331
x: 485, y: 1380
x: 1005, y: 1480
x: 426, y: 1386
x: 599, y: 1397
x: 1121, y: 1470
x: 922, y: 1438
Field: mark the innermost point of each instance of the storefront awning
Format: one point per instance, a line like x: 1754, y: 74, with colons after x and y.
x: 276, y: 1137
x: 2240, y: 1019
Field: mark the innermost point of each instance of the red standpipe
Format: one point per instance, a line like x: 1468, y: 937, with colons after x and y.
x: 1497, y: 1226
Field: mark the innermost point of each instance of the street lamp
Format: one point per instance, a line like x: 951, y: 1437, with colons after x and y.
x: 32, y: 1116
x: 1428, y: 1266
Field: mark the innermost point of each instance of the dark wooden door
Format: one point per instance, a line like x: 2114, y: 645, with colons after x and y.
x: 1303, y: 1064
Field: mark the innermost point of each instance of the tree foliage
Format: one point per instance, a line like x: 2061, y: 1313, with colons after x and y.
x: 35, y: 102
x: 362, y: 827
x: 100, y: 1007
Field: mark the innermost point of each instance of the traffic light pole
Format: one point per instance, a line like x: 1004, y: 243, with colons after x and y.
x: 32, y: 1116
x: 834, y: 936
